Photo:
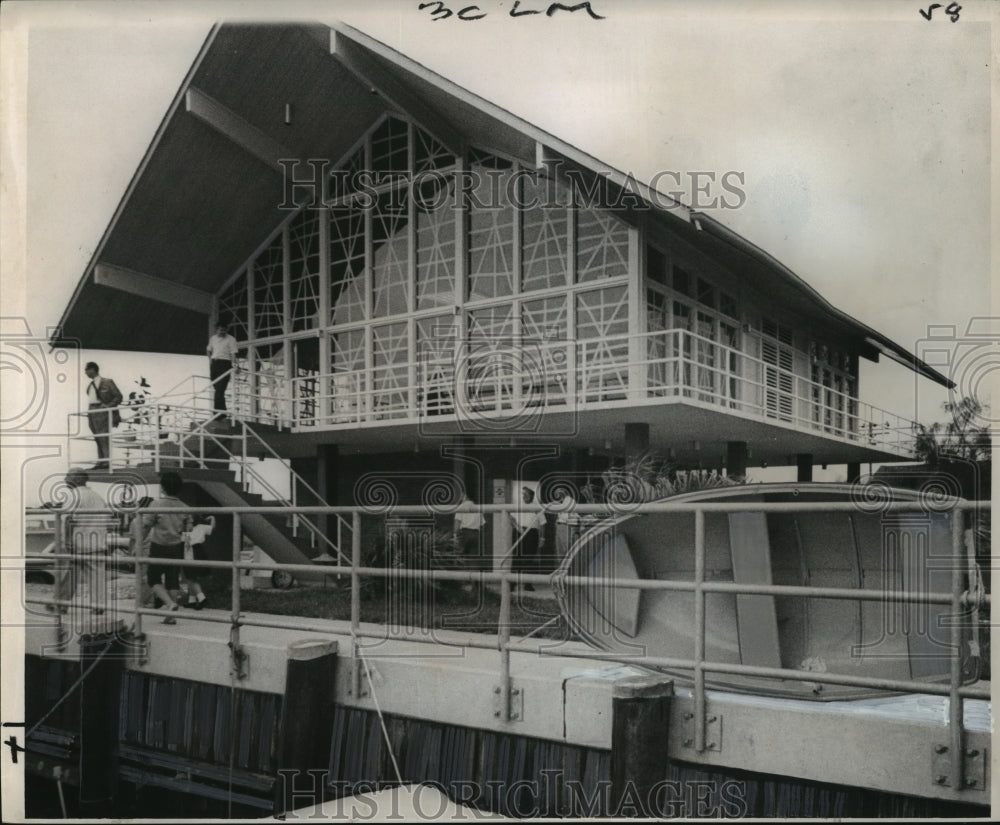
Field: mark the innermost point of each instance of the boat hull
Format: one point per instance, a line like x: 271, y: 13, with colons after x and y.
x: 864, y: 548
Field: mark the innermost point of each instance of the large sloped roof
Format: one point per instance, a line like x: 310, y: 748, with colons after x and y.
x: 210, y: 188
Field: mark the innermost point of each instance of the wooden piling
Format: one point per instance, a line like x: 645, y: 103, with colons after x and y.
x: 306, y: 724
x: 102, y: 659
x: 639, y: 728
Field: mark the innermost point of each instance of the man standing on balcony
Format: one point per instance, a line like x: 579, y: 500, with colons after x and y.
x: 221, y: 353
x: 103, y: 398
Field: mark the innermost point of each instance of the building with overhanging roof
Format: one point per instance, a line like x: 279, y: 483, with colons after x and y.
x: 417, y: 275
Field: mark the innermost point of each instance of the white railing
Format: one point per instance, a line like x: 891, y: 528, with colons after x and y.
x: 964, y: 594
x: 485, y: 381
x: 159, y: 436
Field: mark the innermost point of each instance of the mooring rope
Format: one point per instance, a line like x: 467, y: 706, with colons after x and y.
x: 378, y: 710
x: 72, y: 687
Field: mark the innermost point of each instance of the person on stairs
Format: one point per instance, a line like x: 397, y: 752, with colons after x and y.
x: 221, y: 352
x: 165, y: 532
x: 103, y: 400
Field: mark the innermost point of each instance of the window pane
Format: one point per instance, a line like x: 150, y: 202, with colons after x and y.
x: 389, y: 152
x: 390, y: 275
x: 682, y: 282
x: 429, y: 154
x: 706, y: 293
x: 491, y: 235
x: 492, y: 322
x: 727, y: 305
x: 303, y: 242
x: 269, y: 290
x: 347, y: 262
x: 233, y: 307
x: 544, y: 319
x: 601, y: 246
x: 656, y: 266
x: 544, y: 236
x: 436, y: 243
x: 601, y: 313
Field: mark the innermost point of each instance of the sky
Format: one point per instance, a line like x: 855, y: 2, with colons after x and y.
x: 861, y: 132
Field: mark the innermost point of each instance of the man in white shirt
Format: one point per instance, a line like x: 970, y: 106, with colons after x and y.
x: 528, y: 525
x: 221, y: 351
x: 86, y: 536
x: 468, y: 525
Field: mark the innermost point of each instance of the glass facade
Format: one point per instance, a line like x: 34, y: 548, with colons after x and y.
x: 425, y: 268
x: 411, y: 231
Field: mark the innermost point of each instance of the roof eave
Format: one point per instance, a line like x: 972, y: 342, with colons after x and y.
x: 873, y: 338
x: 56, y: 338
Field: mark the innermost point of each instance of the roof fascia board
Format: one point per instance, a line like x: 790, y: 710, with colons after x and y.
x: 656, y: 199
x: 153, y: 288
x: 136, y: 177
x: 873, y: 338
x: 354, y: 60
x: 237, y: 130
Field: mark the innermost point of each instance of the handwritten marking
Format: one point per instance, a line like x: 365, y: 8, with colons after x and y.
x: 12, y: 743
x: 952, y: 11
x: 439, y: 11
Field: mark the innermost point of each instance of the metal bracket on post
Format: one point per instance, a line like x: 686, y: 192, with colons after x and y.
x: 139, y: 645
x: 713, y: 731
x: 358, y: 687
x: 239, y: 662
x: 973, y: 767
x: 516, y: 708
x: 142, y: 643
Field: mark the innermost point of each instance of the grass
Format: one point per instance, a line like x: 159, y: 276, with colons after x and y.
x: 449, y: 608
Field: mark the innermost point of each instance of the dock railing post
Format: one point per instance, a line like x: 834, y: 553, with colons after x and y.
x: 140, y: 574
x: 955, y: 701
x: 503, y: 630
x: 64, y: 567
x: 236, y: 652
x: 356, y: 666
x: 699, y: 631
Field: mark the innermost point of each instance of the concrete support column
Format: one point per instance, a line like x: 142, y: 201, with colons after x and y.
x: 736, y: 458
x: 805, y: 465
x: 853, y: 472
x: 100, y: 705
x: 326, y: 481
x: 465, y: 467
x: 306, y: 724
x: 640, y: 726
x: 636, y: 440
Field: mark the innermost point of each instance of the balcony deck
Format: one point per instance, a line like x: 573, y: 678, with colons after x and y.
x: 694, y: 393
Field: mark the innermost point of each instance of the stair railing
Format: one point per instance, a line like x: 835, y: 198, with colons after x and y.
x: 248, y: 474
x: 295, y: 483
x: 153, y: 425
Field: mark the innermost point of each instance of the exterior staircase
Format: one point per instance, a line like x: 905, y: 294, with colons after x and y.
x: 221, y: 456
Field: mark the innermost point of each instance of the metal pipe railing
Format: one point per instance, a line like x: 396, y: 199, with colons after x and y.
x: 699, y: 637
x: 955, y: 702
x: 235, y: 612
x: 677, y: 363
x: 958, y: 597
x: 497, y: 577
